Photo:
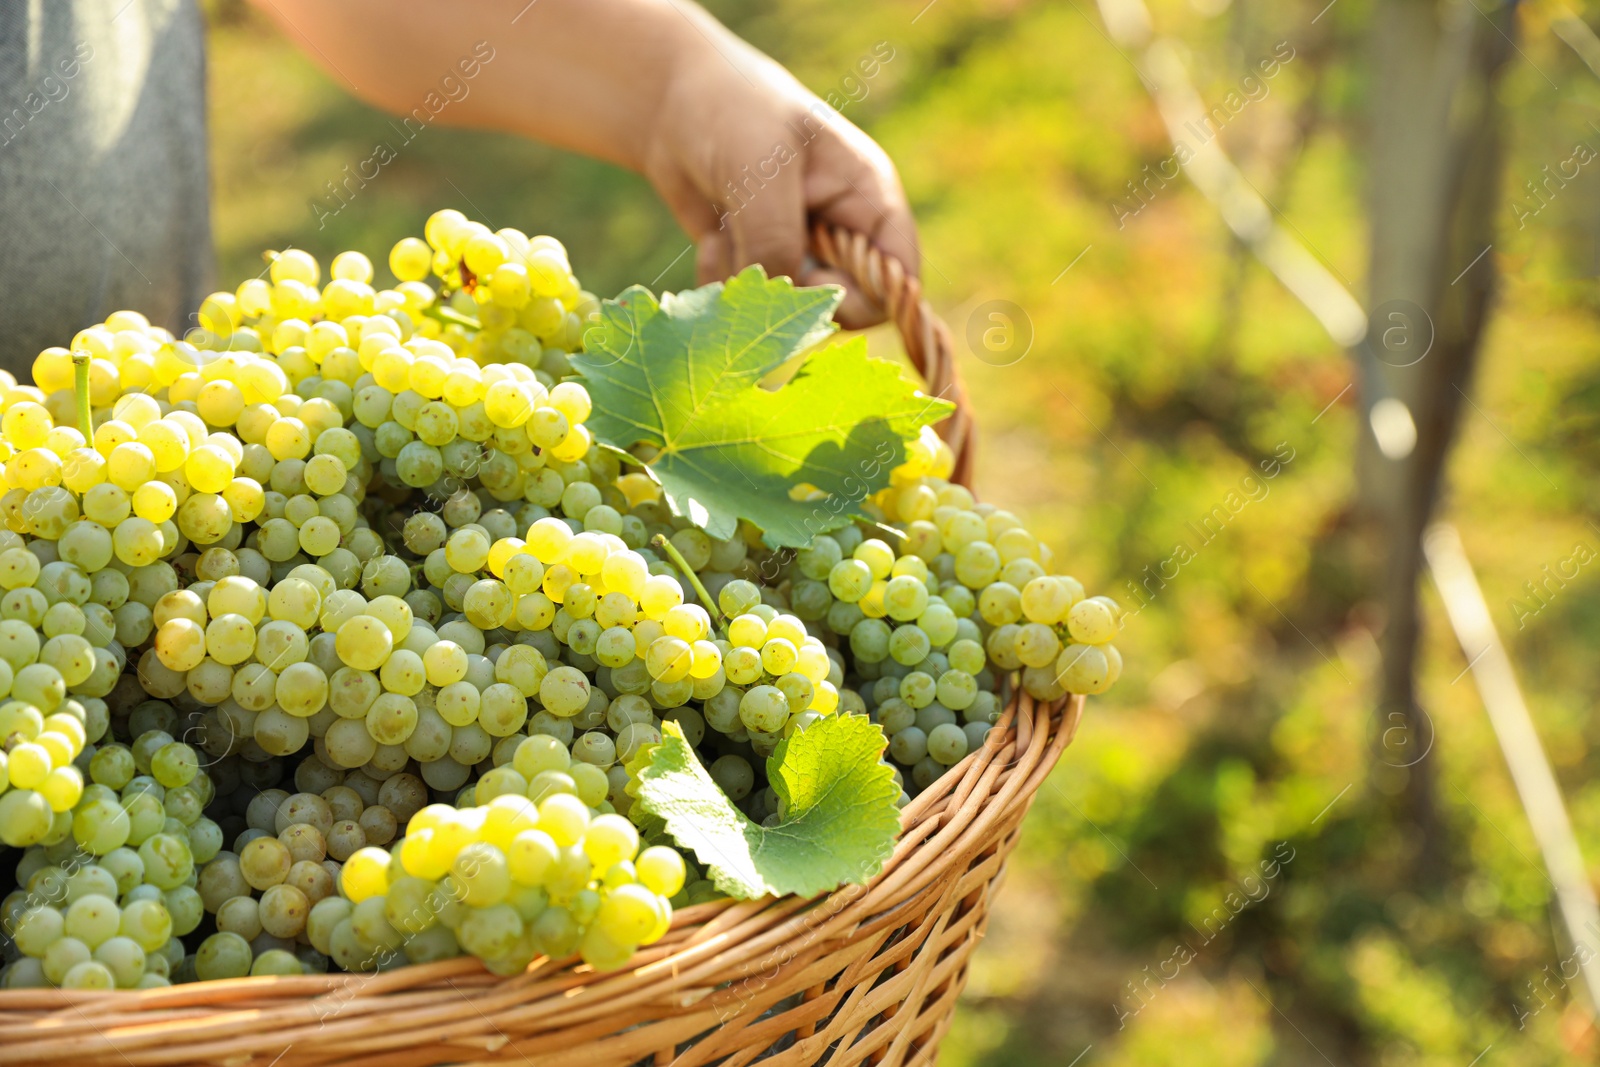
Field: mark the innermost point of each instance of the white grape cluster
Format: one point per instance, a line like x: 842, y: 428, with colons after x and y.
x: 330, y: 643
x: 940, y: 615
x: 106, y: 891
x: 505, y: 880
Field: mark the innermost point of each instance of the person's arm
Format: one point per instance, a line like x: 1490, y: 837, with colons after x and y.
x: 740, y: 151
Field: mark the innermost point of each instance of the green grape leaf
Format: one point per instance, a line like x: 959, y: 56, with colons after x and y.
x: 840, y: 819
x: 684, y: 375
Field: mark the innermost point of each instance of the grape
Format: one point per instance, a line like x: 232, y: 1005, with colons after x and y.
x: 276, y: 961
x: 764, y: 707
x: 564, y: 691
x: 1092, y: 621
x: 947, y: 743
x: 92, y: 919
x: 1080, y: 669
x: 365, y: 874
x: 147, y: 923
x: 283, y: 910
x: 908, y: 745
x: 241, y: 915
x: 25, y: 818
x: 174, y: 765
x: 909, y: 645
x: 168, y: 860
x: 62, y: 956
x: 977, y: 734
x: 223, y: 955
x: 37, y: 929
x: 90, y: 974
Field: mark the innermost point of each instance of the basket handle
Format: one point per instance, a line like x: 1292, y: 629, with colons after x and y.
x: 884, y: 281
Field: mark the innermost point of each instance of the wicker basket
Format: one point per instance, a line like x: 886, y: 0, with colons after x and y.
x: 868, y: 974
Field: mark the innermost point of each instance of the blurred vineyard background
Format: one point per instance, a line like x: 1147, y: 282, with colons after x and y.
x: 1219, y: 871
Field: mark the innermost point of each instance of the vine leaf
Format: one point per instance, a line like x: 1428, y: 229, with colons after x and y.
x: 838, y: 798
x: 683, y: 375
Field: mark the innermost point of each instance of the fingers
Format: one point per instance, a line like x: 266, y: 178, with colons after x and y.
x: 714, y: 258
x: 854, y: 184
x: 766, y: 216
x: 856, y: 310
x: 743, y: 204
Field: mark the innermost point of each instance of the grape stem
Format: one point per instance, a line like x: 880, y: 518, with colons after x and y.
x: 900, y: 534
x: 450, y: 314
x: 660, y: 541
x: 80, y: 382
x: 624, y: 456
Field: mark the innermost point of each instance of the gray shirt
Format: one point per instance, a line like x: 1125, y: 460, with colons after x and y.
x: 103, y: 177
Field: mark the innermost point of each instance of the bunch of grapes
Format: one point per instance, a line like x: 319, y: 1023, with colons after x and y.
x: 330, y: 643
x: 506, y: 880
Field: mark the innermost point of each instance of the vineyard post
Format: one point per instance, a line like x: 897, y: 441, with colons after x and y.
x: 1436, y: 152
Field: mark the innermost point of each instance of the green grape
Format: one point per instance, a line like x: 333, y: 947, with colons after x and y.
x: 1002, y: 646
x: 956, y: 689
x: 147, y: 923
x: 168, y: 861
x: 175, y: 765
x: 62, y: 956
x: 596, y: 748
x: 909, y: 645
x: 895, y: 715
x: 1046, y: 600
x: 909, y: 745
x: 25, y: 818
x: 223, y: 955
x: 540, y: 753
x: 849, y: 580
x: 490, y: 932
x: 1000, y: 603
x: 364, y: 642
x: 818, y: 559
x: 124, y: 959
x: 100, y: 826
x: 869, y: 640
x: 483, y: 876
x: 36, y: 929
x: 91, y: 974
x: 764, y: 708
x: 721, y: 712
x: 91, y: 880
x: 1092, y: 621
x: 977, y: 564
x: 276, y: 961
x: 240, y: 915
x: 934, y: 714
x: 592, y: 783
x: 977, y: 734
x: 92, y: 919
x: 1080, y: 669
x: 905, y: 597
x: 797, y: 690
x: 563, y: 692
x: 283, y: 911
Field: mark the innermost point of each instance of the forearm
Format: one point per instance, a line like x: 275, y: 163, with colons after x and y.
x: 585, y: 75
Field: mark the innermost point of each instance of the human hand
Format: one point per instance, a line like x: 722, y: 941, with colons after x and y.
x: 742, y: 153
x: 745, y: 157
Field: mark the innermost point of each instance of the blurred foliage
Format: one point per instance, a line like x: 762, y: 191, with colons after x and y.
x: 1139, y: 925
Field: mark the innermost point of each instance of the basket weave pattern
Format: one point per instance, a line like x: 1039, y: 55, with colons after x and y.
x: 868, y: 974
